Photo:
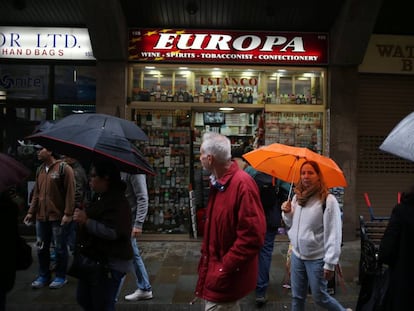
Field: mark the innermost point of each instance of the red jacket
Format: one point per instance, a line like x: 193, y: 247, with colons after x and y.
x: 233, y: 236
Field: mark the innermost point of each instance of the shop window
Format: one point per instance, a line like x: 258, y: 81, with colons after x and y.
x: 227, y: 85
x: 62, y: 110
x: 285, y: 86
x: 38, y: 114
x: 25, y: 81
x: 302, y: 129
x: 75, y: 83
x: 294, y: 87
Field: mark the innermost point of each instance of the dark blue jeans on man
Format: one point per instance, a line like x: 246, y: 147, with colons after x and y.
x: 46, y: 232
x: 265, y: 261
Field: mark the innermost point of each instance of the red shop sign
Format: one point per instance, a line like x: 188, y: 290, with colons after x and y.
x: 232, y: 47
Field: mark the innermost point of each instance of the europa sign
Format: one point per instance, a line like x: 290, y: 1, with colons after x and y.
x: 45, y: 43
x: 211, y: 46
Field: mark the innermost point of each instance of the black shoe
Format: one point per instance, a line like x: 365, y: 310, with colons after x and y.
x: 260, y: 301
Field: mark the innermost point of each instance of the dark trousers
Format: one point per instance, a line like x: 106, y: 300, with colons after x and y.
x: 99, y: 296
x: 265, y: 260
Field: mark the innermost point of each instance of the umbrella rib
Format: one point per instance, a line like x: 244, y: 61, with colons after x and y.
x: 67, y: 142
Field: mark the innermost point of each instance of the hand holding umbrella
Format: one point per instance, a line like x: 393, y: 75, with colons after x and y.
x: 287, y: 206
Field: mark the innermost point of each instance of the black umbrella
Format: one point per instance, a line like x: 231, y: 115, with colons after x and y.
x: 113, y: 124
x: 44, y: 125
x: 88, y: 143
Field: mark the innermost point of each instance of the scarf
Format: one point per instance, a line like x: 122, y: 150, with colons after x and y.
x: 303, y: 195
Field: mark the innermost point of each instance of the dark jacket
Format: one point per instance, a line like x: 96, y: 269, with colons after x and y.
x: 268, y: 190
x: 397, y: 251
x: 8, y: 223
x: 233, y: 236
x: 108, y: 234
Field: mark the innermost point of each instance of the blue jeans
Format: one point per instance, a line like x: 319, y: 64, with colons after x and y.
x: 141, y: 274
x: 265, y: 260
x: 305, y: 273
x: 99, y: 296
x: 71, y: 236
x: 46, y: 232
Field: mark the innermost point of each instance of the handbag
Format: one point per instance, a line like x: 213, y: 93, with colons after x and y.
x: 377, y: 301
x: 88, y: 269
x: 24, y: 257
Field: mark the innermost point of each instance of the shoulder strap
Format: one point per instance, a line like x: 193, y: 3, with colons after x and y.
x: 39, y: 168
x: 62, y: 168
x: 324, y: 205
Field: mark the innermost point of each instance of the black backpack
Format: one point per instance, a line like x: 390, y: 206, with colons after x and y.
x: 270, y: 198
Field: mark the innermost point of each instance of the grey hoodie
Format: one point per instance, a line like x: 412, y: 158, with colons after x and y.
x: 314, y: 233
x: 137, y: 196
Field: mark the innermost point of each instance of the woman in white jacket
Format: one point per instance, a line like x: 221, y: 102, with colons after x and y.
x: 315, y: 232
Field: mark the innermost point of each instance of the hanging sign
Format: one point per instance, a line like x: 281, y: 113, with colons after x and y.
x: 235, y: 47
x: 45, y: 43
x: 389, y: 54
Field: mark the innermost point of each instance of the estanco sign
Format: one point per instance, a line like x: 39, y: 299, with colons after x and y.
x: 45, y: 43
x: 211, y: 46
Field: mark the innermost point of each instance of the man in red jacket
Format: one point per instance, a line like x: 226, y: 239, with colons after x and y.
x: 233, y: 232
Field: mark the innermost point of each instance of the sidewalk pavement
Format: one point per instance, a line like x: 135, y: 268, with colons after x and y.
x: 171, y: 261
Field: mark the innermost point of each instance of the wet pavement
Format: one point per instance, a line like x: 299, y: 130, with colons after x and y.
x: 171, y: 261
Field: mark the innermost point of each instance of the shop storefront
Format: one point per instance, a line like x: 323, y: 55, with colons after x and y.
x: 182, y: 83
x: 385, y: 93
x: 45, y: 74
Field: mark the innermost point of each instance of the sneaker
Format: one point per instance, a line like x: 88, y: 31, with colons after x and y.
x: 139, y: 294
x: 40, y: 282
x: 58, y: 283
x: 260, y: 301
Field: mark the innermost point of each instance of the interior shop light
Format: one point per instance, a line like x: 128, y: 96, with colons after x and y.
x: 216, y: 73
x: 226, y: 108
x: 3, y: 95
x: 185, y: 73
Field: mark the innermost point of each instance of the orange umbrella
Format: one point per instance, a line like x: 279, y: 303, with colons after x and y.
x: 284, y: 162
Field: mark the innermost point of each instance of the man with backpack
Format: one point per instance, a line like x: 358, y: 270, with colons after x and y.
x: 271, y: 195
x: 52, y: 206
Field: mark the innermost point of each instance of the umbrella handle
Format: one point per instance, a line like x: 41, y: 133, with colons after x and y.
x: 290, y: 191
x: 293, y: 178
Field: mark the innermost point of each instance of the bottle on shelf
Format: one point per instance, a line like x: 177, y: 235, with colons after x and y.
x: 240, y: 93
x: 213, y: 97
x: 219, y: 95
x: 250, y: 97
x: 229, y: 96
x: 181, y: 96
x: 207, y: 95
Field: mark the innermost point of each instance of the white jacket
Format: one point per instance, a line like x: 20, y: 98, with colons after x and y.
x: 314, y: 233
